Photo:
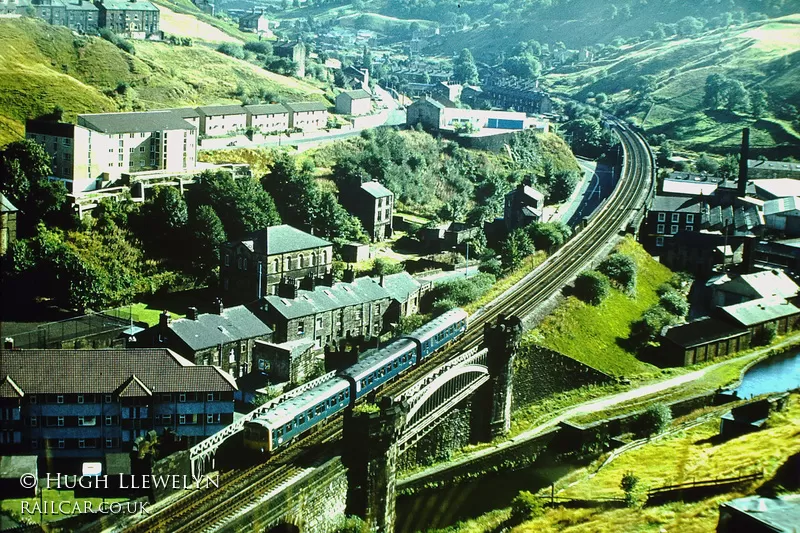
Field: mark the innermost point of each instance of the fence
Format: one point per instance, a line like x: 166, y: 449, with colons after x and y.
x: 90, y: 330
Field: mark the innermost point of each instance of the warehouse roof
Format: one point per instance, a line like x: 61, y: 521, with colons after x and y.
x: 781, y: 205
x: 701, y: 331
x: 759, y: 311
x: 107, y: 371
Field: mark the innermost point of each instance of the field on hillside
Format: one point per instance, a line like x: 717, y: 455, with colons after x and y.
x: 762, y: 54
x: 590, y: 334
x: 42, y: 66
x: 186, y: 7
x: 190, y: 26
x: 689, y: 455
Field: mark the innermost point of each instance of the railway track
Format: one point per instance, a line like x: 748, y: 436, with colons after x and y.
x: 206, y: 511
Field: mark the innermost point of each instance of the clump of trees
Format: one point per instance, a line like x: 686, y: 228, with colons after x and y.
x: 460, y: 292
x: 525, y: 506
x: 655, y: 419
x: 119, y: 42
x: 592, y: 287
x: 672, y: 308
x: 731, y: 94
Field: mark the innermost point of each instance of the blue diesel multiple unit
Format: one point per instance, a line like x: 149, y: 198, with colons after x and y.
x: 277, y: 426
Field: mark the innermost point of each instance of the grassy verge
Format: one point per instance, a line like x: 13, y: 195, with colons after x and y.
x: 591, y: 334
x: 526, y: 266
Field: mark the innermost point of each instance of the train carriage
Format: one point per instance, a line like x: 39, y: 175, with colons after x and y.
x: 279, y: 425
x: 375, y: 370
x: 439, y: 332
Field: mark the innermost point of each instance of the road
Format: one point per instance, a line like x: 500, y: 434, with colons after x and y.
x: 594, y: 406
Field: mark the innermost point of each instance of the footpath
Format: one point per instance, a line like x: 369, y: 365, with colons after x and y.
x: 593, y: 406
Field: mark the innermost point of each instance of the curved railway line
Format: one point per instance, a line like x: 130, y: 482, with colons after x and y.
x: 206, y: 510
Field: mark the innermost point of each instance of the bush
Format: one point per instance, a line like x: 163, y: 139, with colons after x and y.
x: 385, y: 267
x: 649, y: 326
x: 592, y: 287
x: 259, y: 47
x: 492, y: 266
x: 674, y: 303
x: 630, y: 485
x: 351, y: 524
x: 621, y: 269
x: 525, y: 506
x: 231, y: 49
x: 440, y: 307
x: 766, y: 335
x: 654, y: 420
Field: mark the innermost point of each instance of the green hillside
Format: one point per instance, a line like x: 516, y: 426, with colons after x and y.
x: 186, y: 7
x: 763, y: 55
x: 43, y: 66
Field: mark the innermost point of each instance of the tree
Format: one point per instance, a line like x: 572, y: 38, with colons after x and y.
x: 22, y: 163
x: 464, y: 70
x: 524, y: 66
x: 649, y: 326
x: 664, y: 153
x: 759, y: 102
x: 706, y: 164
x: 548, y: 236
x: 168, y: 209
x: 207, y: 234
x: 655, y: 419
x: 620, y: 268
x: 384, y: 267
x: 714, y: 91
x: 674, y: 303
x: 294, y: 191
x: 492, y: 266
x: 564, y: 183
x: 738, y: 98
x: 630, y: 486
x: 592, y: 287
x: 600, y: 98
x: 525, y: 506
x: 765, y: 335
x: 516, y: 247
x: 332, y: 221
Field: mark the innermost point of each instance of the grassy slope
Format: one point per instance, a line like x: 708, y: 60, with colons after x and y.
x: 762, y: 54
x: 183, y: 25
x: 42, y: 66
x: 680, y: 458
x: 589, y: 334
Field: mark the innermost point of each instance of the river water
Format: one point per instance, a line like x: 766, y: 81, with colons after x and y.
x: 439, y: 508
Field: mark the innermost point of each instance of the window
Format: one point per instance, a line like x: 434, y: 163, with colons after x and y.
x: 676, y: 217
x: 34, y: 444
x: 690, y: 219
x: 689, y: 228
x: 673, y: 229
x: 141, y: 148
x: 60, y: 421
x: 34, y: 422
x: 245, y: 263
x: 80, y: 398
x: 86, y: 421
x: 110, y: 443
x: 60, y: 444
x: 301, y: 328
x: 660, y: 228
x: 662, y: 217
x: 107, y: 398
x: 109, y: 421
x: 59, y: 399
x: 81, y: 443
x: 227, y: 260
x: 182, y: 397
x: 319, y: 322
x: 232, y: 356
x: 182, y: 420
x: 239, y: 263
x: 33, y: 400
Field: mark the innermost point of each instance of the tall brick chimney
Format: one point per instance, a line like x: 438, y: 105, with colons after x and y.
x: 744, y: 155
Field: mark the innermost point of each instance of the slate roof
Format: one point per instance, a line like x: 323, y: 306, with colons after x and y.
x: 781, y: 205
x: 185, y: 112
x: 294, y: 348
x: 759, y: 311
x: 773, y: 165
x: 211, y: 329
x: 266, y: 109
x: 356, y: 94
x: 778, y: 187
x: 106, y: 371
x: 75, y: 5
x: 14, y: 466
x: 321, y: 299
x: 430, y: 101
x: 5, y: 205
x: 676, y: 204
x: 701, y: 331
x: 48, y: 127
x: 375, y: 189
x: 135, y: 122
x: 283, y: 239
x: 400, y: 286
x: 215, y: 110
x: 781, y: 514
x: 741, y: 217
x: 303, y: 107
x: 139, y: 5
x: 768, y: 283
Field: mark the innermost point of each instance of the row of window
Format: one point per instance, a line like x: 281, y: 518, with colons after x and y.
x: 383, y: 370
x: 313, y: 413
x: 676, y: 217
x: 301, y: 261
x: 673, y: 229
x: 67, y: 444
x: 107, y: 398
x: 72, y: 421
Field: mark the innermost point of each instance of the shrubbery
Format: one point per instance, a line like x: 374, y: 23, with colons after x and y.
x: 592, y: 287
x: 654, y: 420
x: 120, y: 43
x: 525, y: 506
x: 621, y: 269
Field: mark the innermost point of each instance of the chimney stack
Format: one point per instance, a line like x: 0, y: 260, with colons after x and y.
x: 743, y: 157
x: 218, y: 306
x: 287, y: 288
x: 383, y: 281
x: 192, y: 314
x: 8, y: 343
x: 164, y: 320
x: 349, y: 275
